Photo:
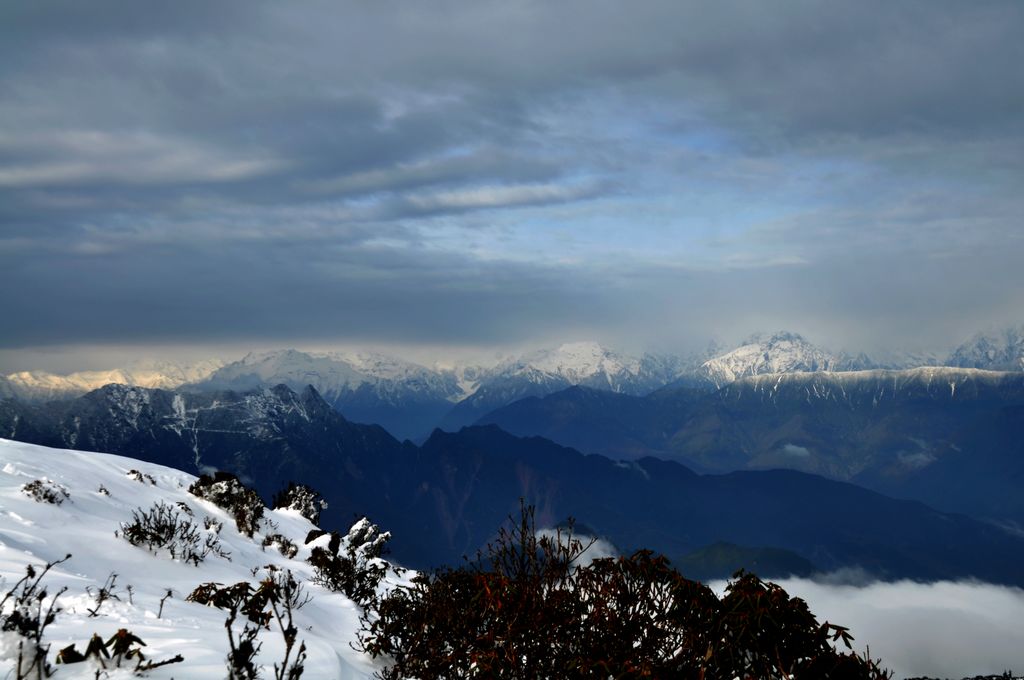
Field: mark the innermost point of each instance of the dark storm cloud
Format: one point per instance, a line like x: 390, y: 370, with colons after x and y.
x: 373, y: 170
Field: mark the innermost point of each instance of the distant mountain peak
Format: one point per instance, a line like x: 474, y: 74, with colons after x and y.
x: 43, y: 385
x: 573, y: 361
x: 1001, y: 350
x: 779, y: 352
x: 775, y: 338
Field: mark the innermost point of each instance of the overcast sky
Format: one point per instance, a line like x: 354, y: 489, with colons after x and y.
x: 491, y: 174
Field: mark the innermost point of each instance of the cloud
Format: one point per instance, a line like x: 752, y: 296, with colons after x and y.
x: 596, y: 548
x: 795, y: 451
x: 438, y: 172
x: 944, y: 629
x: 484, y: 197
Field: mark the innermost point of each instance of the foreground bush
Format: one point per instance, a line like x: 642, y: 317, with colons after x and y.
x: 308, y: 502
x: 161, y: 527
x: 276, y: 599
x: 46, y: 491
x: 224, y: 490
x: 352, y: 565
x: 529, y: 608
x: 26, y: 609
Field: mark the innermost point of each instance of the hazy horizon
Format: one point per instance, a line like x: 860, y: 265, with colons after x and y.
x: 70, y: 359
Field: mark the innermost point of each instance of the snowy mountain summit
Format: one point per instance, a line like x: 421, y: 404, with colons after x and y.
x: 993, y: 351
x: 573, y: 362
x: 590, y: 364
x: 781, y: 352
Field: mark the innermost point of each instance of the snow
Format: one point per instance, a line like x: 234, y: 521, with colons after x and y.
x: 33, y: 533
x: 42, y: 385
x: 876, y: 385
x: 781, y: 352
x: 576, y: 361
x: 333, y: 374
x: 998, y: 350
x: 586, y: 363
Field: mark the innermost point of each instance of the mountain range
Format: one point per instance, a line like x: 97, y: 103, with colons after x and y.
x: 444, y: 499
x: 410, y: 399
x: 950, y: 437
x: 44, y: 386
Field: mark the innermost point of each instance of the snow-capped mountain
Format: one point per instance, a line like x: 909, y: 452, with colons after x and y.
x: 995, y: 351
x: 101, y: 494
x: 781, y: 352
x: 410, y: 399
x: 574, y: 362
x: 43, y: 385
x: 288, y: 367
x: 405, y: 398
x: 897, y: 360
x: 542, y: 372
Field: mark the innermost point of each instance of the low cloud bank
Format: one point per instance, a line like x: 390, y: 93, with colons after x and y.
x: 596, y: 548
x: 943, y: 629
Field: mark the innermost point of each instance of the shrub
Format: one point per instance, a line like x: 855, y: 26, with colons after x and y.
x: 628, y: 617
x: 224, y: 490
x: 140, y: 477
x: 234, y: 597
x: 314, y: 534
x: 162, y: 527
x: 25, y: 612
x: 102, y: 595
x: 276, y: 599
x: 122, y: 646
x: 352, y: 565
x: 300, y: 497
x: 284, y: 544
x: 46, y: 491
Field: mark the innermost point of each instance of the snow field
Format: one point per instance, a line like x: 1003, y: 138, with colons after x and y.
x: 84, y: 525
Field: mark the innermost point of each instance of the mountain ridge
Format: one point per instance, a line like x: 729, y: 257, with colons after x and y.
x: 410, y: 399
x: 445, y: 498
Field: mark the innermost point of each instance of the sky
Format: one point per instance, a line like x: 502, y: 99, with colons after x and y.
x: 470, y: 176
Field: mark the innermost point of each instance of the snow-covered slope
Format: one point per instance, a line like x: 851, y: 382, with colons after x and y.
x: 995, y: 351
x: 42, y: 385
x: 84, y: 526
x: 872, y: 386
x: 781, y: 352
